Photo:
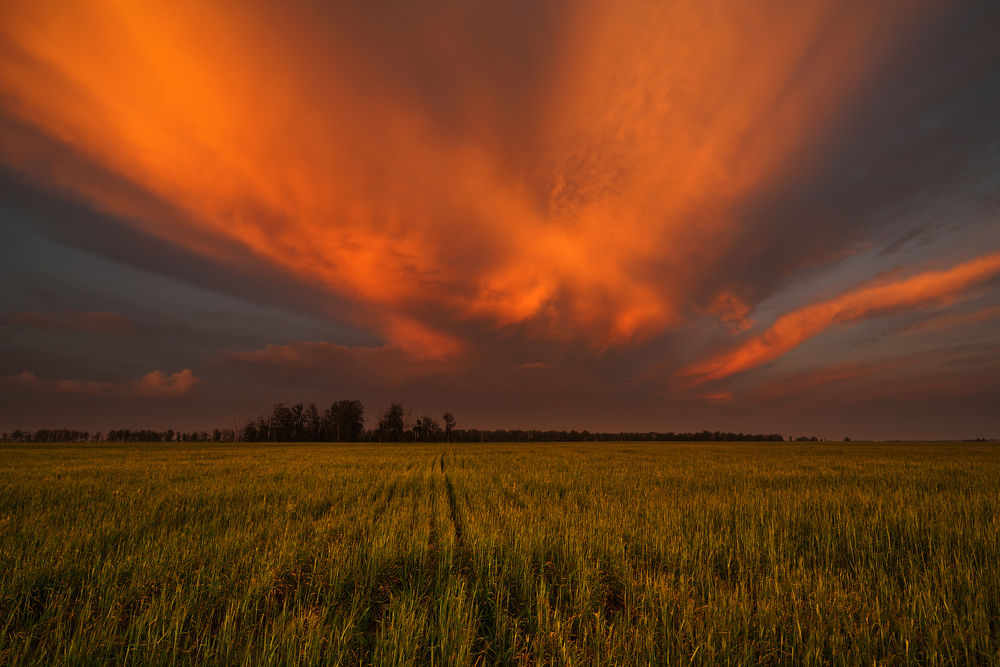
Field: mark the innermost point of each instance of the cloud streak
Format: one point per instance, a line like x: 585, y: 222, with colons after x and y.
x: 875, y: 298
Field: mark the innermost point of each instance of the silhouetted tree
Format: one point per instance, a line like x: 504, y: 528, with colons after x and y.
x: 279, y: 426
x: 311, y: 424
x: 449, y: 424
x: 297, y: 423
x: 344, y: 421
x: 426, y: 429
x: 391, y: 426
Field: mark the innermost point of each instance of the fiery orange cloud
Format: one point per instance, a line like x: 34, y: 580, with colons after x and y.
x: 155, y: 384
x: 878, y: 297
x: 273, y: 127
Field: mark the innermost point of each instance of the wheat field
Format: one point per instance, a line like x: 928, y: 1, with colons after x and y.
x: 593, y: 553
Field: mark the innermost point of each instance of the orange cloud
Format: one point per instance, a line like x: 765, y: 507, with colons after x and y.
x: 422, y: 342
x: 875, y: 298
x: 155, y: 384
x: 159, y: 384
x: 732, y: 311
x: 591, y: 207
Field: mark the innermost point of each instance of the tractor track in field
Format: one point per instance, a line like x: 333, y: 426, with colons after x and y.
x: 381, y: 590
x: 433, y: 539
x: 456, y: 519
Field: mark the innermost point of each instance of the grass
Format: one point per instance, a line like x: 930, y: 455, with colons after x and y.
x: 500, y: 554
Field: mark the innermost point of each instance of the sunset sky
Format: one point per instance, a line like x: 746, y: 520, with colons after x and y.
x: 631, y: 215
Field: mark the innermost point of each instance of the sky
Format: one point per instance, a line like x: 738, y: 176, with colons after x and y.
x: 634, y: 215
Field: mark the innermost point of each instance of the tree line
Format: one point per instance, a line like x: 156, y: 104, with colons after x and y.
x: 117, y: 435
x: 344, y: 421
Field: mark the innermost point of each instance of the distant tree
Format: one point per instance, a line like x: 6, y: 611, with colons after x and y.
x: 344, y: 421
x: 392, y: 426
x: 278, y: 426
x: 287, y: 424
x: 311, y: 424
x: 352, y: 424
x: 847, y: 439
x: 426, y: 429
x: 297, y: 423
x: 449, y: 425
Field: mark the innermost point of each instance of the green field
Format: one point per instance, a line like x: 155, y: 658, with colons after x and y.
x: 500, y: 554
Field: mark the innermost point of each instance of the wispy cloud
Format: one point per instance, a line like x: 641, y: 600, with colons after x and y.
x: 868, y: 300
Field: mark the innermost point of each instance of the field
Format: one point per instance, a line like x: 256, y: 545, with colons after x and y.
x: 500, y: 554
